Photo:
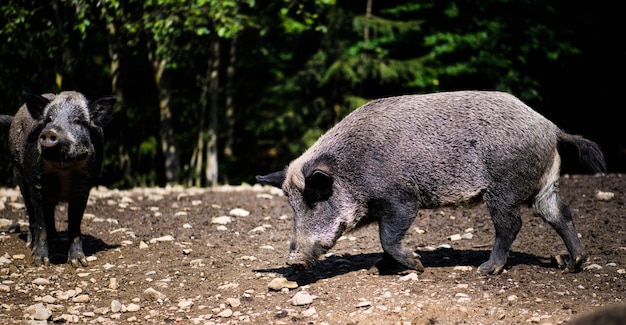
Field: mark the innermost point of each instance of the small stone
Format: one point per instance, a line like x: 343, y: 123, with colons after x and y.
x: 233, y: 302
x: 143, y: 245
x: 5, y: 223
x: 42, y: 314
x: 592, y: 267
x: 162, y: 239
x: 41, y: 281
x: 225, y: 313
x: 604, y: 196
x: 363, y: 304
x: 301, y: 298
x: 257, y: 229
x: 47, y: 299
x: 81, y: 298
x: 223, y: 220
x: 238, y: 212
x: 185, y: 304
x: 4, y: 260
x: 132, y: 307
x: 116, y: 306
x: 309, y: 312
x: 455, y: 237
x: 279, y: 283
x: 409, y: 277
x: 113, y: 283
x: 151, y: 294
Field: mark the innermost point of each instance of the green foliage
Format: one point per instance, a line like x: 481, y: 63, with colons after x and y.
x: 300, y: 66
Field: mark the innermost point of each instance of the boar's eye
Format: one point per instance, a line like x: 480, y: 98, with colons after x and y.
x: 318, y: 187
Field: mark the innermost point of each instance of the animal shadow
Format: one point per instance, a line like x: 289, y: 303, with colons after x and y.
x: 58, y: 247
x: 337, y: 265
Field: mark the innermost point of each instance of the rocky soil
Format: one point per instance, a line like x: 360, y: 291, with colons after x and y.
x: 217, y: 256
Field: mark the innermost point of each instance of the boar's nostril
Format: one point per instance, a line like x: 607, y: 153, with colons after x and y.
x: 49, y: 138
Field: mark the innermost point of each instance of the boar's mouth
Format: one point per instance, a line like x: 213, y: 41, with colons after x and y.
x: 61, y: 159
x: 303, y: 257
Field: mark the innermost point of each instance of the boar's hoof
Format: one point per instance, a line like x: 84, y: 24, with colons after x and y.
x: 568, y: 264
x: 297, y: 266
x: 40, y: 254
x: 76, y: 257
x: 490, y: 268
x: 388, y: 266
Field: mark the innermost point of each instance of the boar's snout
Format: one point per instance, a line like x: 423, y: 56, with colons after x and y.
x: 49, y: 138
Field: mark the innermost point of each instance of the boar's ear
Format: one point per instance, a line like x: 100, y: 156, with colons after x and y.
x: 275, y: 179
x: 35, y: 104
x: 318, y: 186
x: 101, y: 110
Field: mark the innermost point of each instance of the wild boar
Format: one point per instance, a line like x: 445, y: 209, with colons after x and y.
x: 394, y: 156
x: 56, y: 142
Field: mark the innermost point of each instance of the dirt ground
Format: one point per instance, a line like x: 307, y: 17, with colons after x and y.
x: 217, y: 256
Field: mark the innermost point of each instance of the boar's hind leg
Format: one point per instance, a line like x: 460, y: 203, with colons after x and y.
x: 75, y: 255
x: 507, y: 223
x: 549, y: 206
x: 393, y: 225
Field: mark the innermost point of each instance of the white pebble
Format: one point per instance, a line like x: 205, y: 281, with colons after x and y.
x: 225, y: 313
x: 309, y: 312
x: 185, y: 304
x: 41, y: 281
x: 238, y: 212
x: 162, y: 239
x: 592, y: 267
x: 81, y: 298
x: 132, y: 307
x: 279, y: 283
x: 151, y: 294
x: 604, y: 196
x: 409, y: 277
x: 233, y: 302
x: 301, y: 298
x: 223, y: 220
x: 116, y: 306
x: 364, y: 304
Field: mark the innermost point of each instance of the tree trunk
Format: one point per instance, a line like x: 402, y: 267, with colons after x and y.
x: 170, y: 154
x: 123, y: 156
x: 211, y: 149
x: 229, y: 118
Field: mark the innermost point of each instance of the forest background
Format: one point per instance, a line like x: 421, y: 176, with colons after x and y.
x: 216, y: 91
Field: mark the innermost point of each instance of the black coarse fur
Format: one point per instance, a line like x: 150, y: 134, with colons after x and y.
x: 56, y: 142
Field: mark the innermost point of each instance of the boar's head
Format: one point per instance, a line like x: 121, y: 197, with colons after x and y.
x: 69, y: 127
x: 323, y: 207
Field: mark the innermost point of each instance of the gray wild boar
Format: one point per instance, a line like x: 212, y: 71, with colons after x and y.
x: 56, y: 142
x: 394, y: 156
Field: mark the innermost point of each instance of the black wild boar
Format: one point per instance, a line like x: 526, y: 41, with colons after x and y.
x: 394, y: 156
x: 56, y: 142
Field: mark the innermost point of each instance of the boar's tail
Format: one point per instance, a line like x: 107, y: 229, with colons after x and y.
x: 6, y: 119
x: 589, y: 152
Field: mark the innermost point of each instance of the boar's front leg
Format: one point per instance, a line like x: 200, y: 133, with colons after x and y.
x: 37, y: 235
x: 76, y: 208
x: 395, y: 220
